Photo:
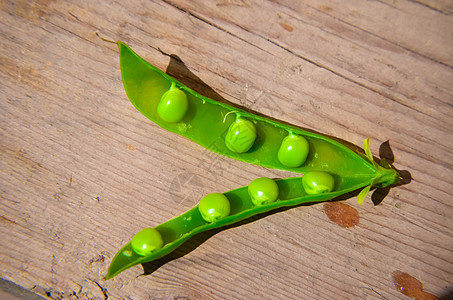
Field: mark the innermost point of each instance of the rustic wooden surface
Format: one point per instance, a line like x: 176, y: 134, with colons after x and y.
x: 82, y: 170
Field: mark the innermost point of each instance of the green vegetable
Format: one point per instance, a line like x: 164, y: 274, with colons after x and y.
x: 240, y: 136
x: 146, y: 241
x: 263, y: 191
x: 173, y: 105
x: 331, y: 169
x: 178, y: 230
x: 293, y: 151
x: 214, y: 207
x: 318, y: 182
x: 213, y: 125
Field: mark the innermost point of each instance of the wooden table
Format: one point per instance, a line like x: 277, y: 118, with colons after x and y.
x: 82, y: 170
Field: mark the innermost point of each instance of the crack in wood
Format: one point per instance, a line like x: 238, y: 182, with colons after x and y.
x: 376, y: 292
x: 386, y: 95
x: 381, y: 38
x: 69, y: 31
x: 430, y: 7
x: 200, y: 18
x: 103, y: 290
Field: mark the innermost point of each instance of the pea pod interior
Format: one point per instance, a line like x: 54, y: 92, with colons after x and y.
x: 207, y: 121
x: 177, y: 230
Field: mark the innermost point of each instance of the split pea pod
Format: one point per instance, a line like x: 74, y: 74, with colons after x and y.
x: 262, y: 195
x: 331, y: 169
x: 230, y: 131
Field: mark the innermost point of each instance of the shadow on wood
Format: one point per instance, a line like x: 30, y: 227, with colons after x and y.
x: 385, y: 152
x: 448, y: 295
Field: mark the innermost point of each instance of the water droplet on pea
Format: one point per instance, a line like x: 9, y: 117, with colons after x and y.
x: 293, y: 151
x: 263, y: 191
x: 241, y: 136
x: 173, y: 105
x: 318, y: 182
x: 214, y: 207
x: 147, y: 241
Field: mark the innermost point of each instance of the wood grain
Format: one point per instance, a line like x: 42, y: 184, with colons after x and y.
x: 82, y: 170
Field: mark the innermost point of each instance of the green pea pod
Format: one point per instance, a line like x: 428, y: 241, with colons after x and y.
x: 178, y: 230
x: 331, y: 168
x: 211, y: 124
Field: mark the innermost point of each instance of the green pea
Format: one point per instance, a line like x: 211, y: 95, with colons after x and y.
x: 263, y: 190
x: 214, y: 207
x: 293, y: 151
x: 147, y: 241
x: 241, y: 136
x: 317, y: 182
x: 173, y: 105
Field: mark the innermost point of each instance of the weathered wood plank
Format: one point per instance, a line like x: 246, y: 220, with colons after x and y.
x: 444, y: 6
x: 408, y: 24
x: 346, y: 50
x: 82, y: 170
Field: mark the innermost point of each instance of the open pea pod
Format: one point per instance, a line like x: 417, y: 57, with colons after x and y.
x: 228, y: 130
x: 289, y: 192
x: 331, y: 169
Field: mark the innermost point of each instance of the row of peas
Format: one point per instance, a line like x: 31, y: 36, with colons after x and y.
x: 216, y: 206
x: 241, y: 134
